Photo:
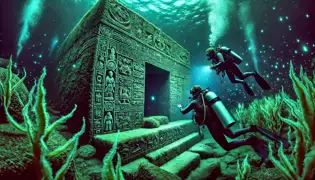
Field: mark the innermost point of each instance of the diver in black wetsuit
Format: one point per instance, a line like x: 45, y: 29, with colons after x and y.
x: 209, y: 110
x: 224, y: 60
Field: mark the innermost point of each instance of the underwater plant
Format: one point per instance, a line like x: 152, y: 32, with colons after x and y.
x: 304, y: 149
x: 243, y: 170
x: 39, y: 129
x: 264, y: 112
x: 108, y: 171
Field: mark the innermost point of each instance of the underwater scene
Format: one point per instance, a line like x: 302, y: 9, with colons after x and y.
x: 157, y: 89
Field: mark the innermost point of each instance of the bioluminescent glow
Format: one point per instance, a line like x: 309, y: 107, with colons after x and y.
x: 305, y: 48
x: 218, y: 19
x: 152, y: 98
x: 31, y: 14
x: 53, y: 45
x: 249, y: 31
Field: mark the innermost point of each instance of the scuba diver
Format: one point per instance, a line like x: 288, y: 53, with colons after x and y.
x: 225, y: 61
x: 210, y: 111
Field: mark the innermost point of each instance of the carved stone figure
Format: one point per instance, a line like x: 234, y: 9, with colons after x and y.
x: 112, y: 55
x: 124, y: 95
x: 109, y: 86
x: 108, y: 121
x: 125, y: 67
x: 98, y: 97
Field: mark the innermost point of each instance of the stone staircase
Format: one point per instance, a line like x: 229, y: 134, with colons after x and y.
x: 158, y: 145
x: 173, y: 158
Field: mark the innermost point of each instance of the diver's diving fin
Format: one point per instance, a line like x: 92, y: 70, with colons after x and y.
x: 273, y: 136
x: 248, y: 89
x: 262, y: 82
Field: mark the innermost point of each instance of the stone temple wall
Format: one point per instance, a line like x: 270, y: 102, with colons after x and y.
x: 102, y: 67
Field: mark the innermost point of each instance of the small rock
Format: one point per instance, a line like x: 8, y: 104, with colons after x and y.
x: 86, y: 151
x: 149, y: 171
x: 150, y: 122
x: 203, y: 150
x: 208, y: 169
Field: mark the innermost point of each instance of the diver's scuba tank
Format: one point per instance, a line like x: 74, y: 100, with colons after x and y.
x: 215, y: 103
x: 231, y: 55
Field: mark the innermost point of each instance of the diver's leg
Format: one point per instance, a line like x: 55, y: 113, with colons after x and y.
x: 216, y: 129
x: 231, y: 76
x: 260, y: 80
x: 238, y: 73
x: 233, y: 134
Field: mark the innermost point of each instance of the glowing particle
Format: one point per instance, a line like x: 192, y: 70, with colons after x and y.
x: 305, y: 48
x: 74, y: 65
x: 45, y: 34
x: 290, y: 28
x: 283, y: 66
x: 152, y: 98
x: 276, y: 66
x: 246, y: 64
x: 286, y: 17
x: 307, y: 16
x: 295, y: 51
x: 58, y: 69
x: 298, y: 40
x: 278, y: 79
x: 313, y: 45
x: 262, y: 31
x: 40, y: 56
x: 280, y: 19
x: 274, y: 8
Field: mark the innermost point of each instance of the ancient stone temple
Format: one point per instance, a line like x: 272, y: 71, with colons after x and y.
x: 114, y: 64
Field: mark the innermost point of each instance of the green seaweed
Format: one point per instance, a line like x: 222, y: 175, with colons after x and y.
x: 108, y: 170
x: 243, y: 170
x: 39, y: 129
x: 304, y: 150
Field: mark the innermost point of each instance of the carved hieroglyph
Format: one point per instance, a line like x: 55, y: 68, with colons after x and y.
x: 109, y: 49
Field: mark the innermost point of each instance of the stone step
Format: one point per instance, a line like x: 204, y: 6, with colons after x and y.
x: 166, y: 153
x: 183, y: 164
x: 130, y: 170
x: 136, y: 143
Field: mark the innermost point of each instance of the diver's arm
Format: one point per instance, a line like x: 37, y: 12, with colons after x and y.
x: 221, y: 61
x: 189, y: 107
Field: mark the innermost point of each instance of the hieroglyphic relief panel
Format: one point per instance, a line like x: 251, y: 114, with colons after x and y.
x: 119, y: 16
x: 177, y: 83
x: 126, y: 43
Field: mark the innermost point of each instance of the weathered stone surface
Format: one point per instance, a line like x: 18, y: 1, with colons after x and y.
x: 131, y: 169
x: 88, y: 168
x: 182, y: 164
x: 149, y: 171
x: 150, y: 122
x: 203, y: 150
x: 101, y: 67
x: 166, y: 153
x: 137, y: 143
x: 86, y: 151
x: 162, y: 119
x: 208, y: 169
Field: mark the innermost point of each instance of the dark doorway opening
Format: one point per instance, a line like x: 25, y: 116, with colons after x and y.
x: 157, y: 91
